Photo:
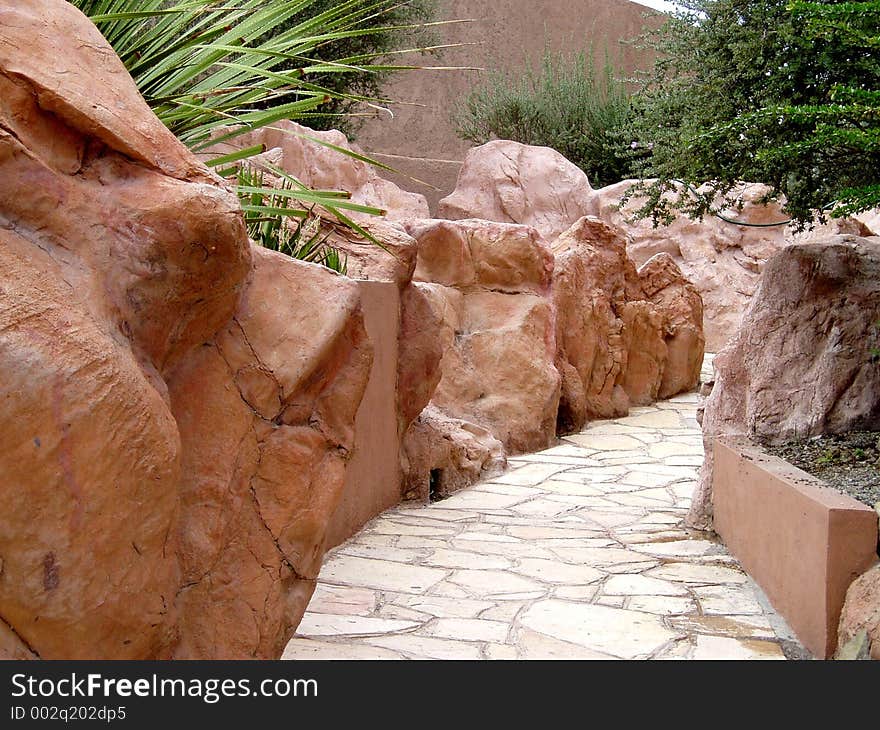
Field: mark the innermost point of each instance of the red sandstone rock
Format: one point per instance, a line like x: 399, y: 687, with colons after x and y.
x: 616, y: 328
x: 175, y: 420
x: 510, y: 182
x: 491, y: 291
x: 589, y: 292
x: 801, y: 363
x: 861, y: 611
x: 266, y: 416
x: 442, y: 454
x: 677, y: 298
x: 420, y: 351
x: 296, y: 150
x: 722, y: 260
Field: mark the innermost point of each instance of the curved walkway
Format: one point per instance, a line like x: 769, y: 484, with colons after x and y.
x: 576, y: 552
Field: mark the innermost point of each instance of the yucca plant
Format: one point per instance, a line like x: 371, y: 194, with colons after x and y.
x: 215, y: 69
x: 267, y: 214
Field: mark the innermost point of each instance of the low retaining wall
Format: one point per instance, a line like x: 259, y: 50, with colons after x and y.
x: 802, y: 541
x: 373, y: 478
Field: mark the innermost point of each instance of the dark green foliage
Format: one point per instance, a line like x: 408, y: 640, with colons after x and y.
x: 567, y: 105
x: 267, y: 215
x: 783, y: 93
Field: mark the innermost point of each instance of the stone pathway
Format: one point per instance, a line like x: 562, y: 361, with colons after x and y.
x: 577, y: 552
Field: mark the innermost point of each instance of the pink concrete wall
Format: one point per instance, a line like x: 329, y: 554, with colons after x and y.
x: 373, y: 478
x: 420, y: 139
x: 801, y: 541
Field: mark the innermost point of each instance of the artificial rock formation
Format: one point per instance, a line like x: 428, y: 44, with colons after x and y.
x: 514, y: 183
x: 861, y: 611
x: 298, y: 151
x: 510, y: 182
x: 177, y: 406
x: 488, y: 286
x: 624, y: 337
x: 802, y: 362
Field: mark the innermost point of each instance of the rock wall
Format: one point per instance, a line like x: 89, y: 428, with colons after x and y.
x: 177, y: 406
x: 514, y: 183
x: 802, y: 362
x: 624, y: 337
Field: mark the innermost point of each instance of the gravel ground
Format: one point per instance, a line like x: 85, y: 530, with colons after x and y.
x: 848, y: 462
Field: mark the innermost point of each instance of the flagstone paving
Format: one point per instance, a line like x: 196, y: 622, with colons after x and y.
x: 576, y: 552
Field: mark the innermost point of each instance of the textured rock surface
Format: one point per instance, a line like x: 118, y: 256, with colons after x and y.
x: 288, y: 146
x: 623, y: 336
x: 442, y: 454
x: 664, y: 285
x: 169, y: 396
x: 724, y: 261
x: 861, y: 611
x: 510, y: 182
x: 490, y: 284
x: 801, y: 363
x: 266, y: 415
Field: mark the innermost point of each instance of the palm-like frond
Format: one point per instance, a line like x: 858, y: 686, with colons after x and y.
x: 214, y: 69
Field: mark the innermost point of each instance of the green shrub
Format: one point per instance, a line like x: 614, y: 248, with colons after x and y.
x: 568, y: 105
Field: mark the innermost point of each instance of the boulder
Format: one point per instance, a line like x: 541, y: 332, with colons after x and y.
x: 803, y: 361
x: 664, y: 285
x: 177, y: 405
x: 509, y: 182
x: 490, y: 285
x: 722, y: 260
x: 266, y: 415
x: 623, y: 336
x: 442, y: 455
x: 861, y: 611
x: 304, y: 154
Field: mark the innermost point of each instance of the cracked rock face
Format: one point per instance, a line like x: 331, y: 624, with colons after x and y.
x: 168, y: 394
x: 801, y: 363
x: 490, y: 285
x: 624, y: 337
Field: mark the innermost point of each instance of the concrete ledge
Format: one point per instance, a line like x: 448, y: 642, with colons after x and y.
x: 802, y: 541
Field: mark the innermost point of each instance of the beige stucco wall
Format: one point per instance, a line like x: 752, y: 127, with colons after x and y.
x: 420, y: 140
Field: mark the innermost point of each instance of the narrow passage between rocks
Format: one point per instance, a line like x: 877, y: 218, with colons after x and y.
x: 576, y: 552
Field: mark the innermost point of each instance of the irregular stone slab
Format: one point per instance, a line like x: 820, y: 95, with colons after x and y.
x: 614, y: 631
x: 493, y: 583
x: 678, y: 548
x: 638, y: 585
x: 299, y: 648
x: 444, y: 607
x: 460, y: 559
x: 325, y: 624
x: 380, y: 575
x: 661, y: 605
x: 342, y: 600
x: 549, y: 571
x: 382, y: 552
x: 537, y: 646
x: 727, y: 600
x: 718, y: 647
x: 698, y: 574
x: 481, y: 500
x: 468, y: 629
x: 604, y: 442
x: 426, y: 647
x: 737, y: 627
